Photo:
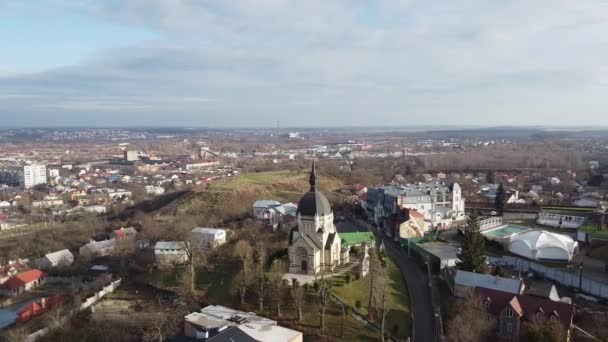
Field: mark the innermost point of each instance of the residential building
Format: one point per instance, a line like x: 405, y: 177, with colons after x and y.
x: 261, y: 207
x: 219, y: 323
x: 123, y: 233
x: 97, y: 248
x: 207, y: 238
x: 439, y: 203
x: 12, y: 268
x: 33, y: 175
x: 170, y: 252
x: 512, y: 310
x: 56, y: 259
x: 130, y: 155
x: 466, y: 282
x: 22, y: 282
x: 314, y: 245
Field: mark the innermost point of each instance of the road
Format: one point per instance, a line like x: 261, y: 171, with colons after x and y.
x: 425, y: 327
x: 418, y: 287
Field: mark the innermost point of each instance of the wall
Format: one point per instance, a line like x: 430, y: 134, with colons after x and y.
x: 87, y: 303
x: 586, y: 285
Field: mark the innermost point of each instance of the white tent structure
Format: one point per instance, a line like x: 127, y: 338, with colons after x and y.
x: 543, y: 245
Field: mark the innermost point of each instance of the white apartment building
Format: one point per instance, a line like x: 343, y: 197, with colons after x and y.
x: 33, y: 175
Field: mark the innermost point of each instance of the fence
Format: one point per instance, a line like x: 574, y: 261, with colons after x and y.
x: 87, y: 303
x: 98, y: 295
x: 490, y: 223
x: 565, y: 278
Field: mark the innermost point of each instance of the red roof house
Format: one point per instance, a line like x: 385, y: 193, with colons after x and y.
x: 22, y: 282
x: 512, y: 310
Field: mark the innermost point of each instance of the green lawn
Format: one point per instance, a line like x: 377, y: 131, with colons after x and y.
x: 353, y: 329
x: 399, y: 314
x: 592, y: 229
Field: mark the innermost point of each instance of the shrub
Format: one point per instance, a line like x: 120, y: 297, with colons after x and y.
x: 315, y: 286
x: 347, y: 278
x: 358, y: 304
x: 357, y: 275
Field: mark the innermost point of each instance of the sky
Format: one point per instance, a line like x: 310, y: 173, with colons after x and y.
x: 245, y: 63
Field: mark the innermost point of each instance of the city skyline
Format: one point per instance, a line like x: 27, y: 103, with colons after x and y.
x: 311, y: 64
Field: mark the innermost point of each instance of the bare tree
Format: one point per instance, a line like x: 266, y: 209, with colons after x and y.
x: 297, y: 293
x: 195, y: 254
x: 469, y: 323
x: 243, y: 279
x: 325, y: 286
x: 261, y: 274
x: 277, y: 284
x: 382, y: 292
x: 163, y: 322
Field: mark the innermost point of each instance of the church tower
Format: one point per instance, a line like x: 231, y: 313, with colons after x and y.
x: 315, y: 241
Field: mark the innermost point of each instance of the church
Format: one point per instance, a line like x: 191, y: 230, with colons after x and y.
x: 315, y: 244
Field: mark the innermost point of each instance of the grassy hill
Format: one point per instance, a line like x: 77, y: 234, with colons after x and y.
x: 232, y: 198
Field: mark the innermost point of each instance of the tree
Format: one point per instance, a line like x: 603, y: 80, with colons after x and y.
x: 163, y: 322
x: 473, y: 255
x: 543, y: 331
x: 195, y: 255
x: 245, y: 277
x: 469, y: 323
x: 382, y: 292
x: 491, y: 177
x: 297, y: 293
x: 261, y: 274
x: 325, y: 286
x: 499, y: 200
x: 277, y: 284
x: 374, y: 266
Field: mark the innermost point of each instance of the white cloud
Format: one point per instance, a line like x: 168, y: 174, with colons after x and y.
x: 400, y: 62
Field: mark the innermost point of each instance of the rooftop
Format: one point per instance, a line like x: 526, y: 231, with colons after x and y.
x: 488, y: 281
x: 257, y: 327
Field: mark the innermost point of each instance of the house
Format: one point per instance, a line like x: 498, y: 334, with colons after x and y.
x: 12, y: 268
x: 97, y: 248
x: 38, y: 307
x: 261, y: 206
x: 466, y: 282
x: 314, y: 245
x: 207, y: 238
x: 440, y: 203
x: 22, y: 282
x: 279, y: 215
x: 412, y: 227
x: 55, y: 259
x: 512, y: 310
x: 170, y: 252
x: 219, y: 323
x: 546, y: 290
x: 123, y: 233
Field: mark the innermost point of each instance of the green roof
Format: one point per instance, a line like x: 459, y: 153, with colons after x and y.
x: 356, y: 238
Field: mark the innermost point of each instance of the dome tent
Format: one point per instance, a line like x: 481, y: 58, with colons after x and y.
x: 543, y: 245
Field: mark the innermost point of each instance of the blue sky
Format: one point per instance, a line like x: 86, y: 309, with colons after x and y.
x: 305, y: 63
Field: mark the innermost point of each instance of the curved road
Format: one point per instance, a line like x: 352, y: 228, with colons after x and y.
x: 425, y: 327
x: 418, y: 288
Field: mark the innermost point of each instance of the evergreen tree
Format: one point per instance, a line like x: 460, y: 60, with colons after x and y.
x: 491, y: 177
x: 473, y: 255
x: 499, y: 201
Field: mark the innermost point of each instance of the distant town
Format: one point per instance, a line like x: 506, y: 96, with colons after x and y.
x: 303, y: 234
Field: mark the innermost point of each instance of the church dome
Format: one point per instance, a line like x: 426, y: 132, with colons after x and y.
x: 314, y: 202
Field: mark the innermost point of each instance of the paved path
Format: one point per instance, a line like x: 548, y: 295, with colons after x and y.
x: 418, y: 287
x: 310, y: 279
